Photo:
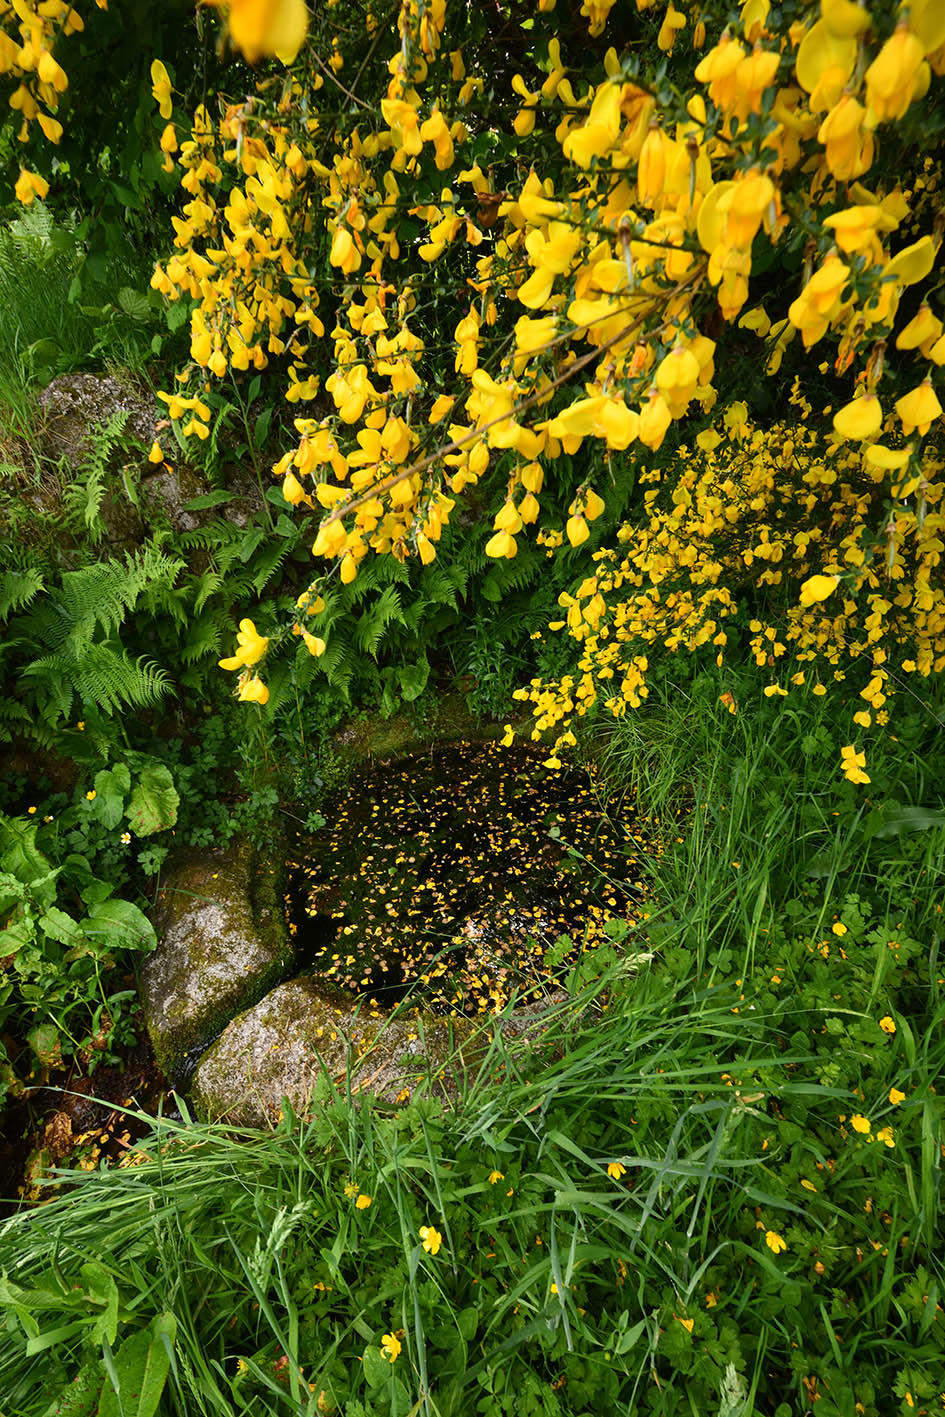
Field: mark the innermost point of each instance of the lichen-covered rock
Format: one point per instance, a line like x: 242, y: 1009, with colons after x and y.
x: 221, y: 944
x: 298, y: 1034
x: 301, y: 1034
x: 167, y: 492
x: 74, y: 405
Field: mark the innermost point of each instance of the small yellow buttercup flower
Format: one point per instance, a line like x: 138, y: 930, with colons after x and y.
x: 391, y: 1346
x: 887, y: 1024
x: 853, y: 764
x: 775, y: 1242
x: 432, y: 1239
x: 362, y: 1202
x: 860, y: 1124
x: 838, y: 927
x: 90, y: 796
x: 616, y: 1169
x: 895, y: 1096
x: 495, y: 1176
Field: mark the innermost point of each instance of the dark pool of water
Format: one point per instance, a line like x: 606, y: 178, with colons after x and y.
x: 452, y: 874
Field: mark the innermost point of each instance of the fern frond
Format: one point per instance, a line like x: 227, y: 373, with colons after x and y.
x: 371, y: 626
x: 206, y: 585
x: 338, y: 664
x: 207, y: 635
x: 268, y: 563
x: 83, y: 498
x: 111, y: 679
x: 19, y: 589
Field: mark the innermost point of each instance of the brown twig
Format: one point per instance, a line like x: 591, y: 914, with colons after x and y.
x: 338, y: 513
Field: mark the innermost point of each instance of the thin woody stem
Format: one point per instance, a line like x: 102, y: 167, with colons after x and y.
x: 338, y: 513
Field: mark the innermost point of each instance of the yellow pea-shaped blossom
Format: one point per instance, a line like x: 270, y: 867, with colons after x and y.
x: 673, y: 22
x: 253, y: 691
x: 847, y: 147
x: 893, y: 76
x: 677, y: 377
x: 51, y: 72
x: 51, y: 127
x: 859, y: 419
x: 718, y: 70
x: 855, y: 227
x: 843, y: 18
x: 821, y: 50
x: 919, y: 408
x: 654, y: 421
x: 651, y: 169
x: 251, y: 646
x: 889, y: 459
x: 593, y: 505
x: 161, y: 89
x: 29, y: 186
x: 262, y: 27
x: 923, y: 328
x: 818, y: 588
x: 502, y: 544
x: 598, y: 135
x: 344, y: 253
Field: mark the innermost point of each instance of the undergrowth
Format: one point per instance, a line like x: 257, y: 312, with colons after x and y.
x: 713, y: 1187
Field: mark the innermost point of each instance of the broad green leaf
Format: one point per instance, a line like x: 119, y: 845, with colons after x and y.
x: 413, y: 679
x: 206, y: 500
x: 111, y: 788
x: 46, y: 1044
x: 22, y: 858
x: 134, y: 303
x: 154, y: 802
x: 103, y: 1291
x: 376, y: 1368
x: 116, y: 924
x: 141, y: 1366
x: 80, y: 1397
x: 11, y: 890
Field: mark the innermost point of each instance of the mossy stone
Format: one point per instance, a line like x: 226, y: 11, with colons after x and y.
x: 299, y: 1034
x: 303, y: 1034
x: 222, y: 943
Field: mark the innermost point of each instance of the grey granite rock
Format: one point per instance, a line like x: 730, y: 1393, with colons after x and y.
x: 222, y: 943
x: 300, y: 1033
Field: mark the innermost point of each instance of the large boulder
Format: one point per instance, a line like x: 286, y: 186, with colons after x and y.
x: 222, y: 943
x: 301, y: 1037
x: 299, y: 1034
x: 73, y: 406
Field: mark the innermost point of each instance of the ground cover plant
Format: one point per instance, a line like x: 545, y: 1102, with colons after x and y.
x: 594, y: 354
x: 715, y: 1186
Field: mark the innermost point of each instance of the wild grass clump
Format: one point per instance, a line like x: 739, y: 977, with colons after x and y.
x: 714, y: 1187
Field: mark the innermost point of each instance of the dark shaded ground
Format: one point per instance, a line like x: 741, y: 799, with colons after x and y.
x: 76, y: 1119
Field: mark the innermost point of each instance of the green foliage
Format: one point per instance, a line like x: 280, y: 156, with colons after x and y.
x: 67, y: 647
x: 49, y: 323
x: 83, y: 497
x: 63, y: 934
x: 759, y: 1054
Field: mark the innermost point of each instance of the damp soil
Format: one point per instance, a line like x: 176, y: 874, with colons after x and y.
x: 78, y: 1119
x: 460, y: 877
